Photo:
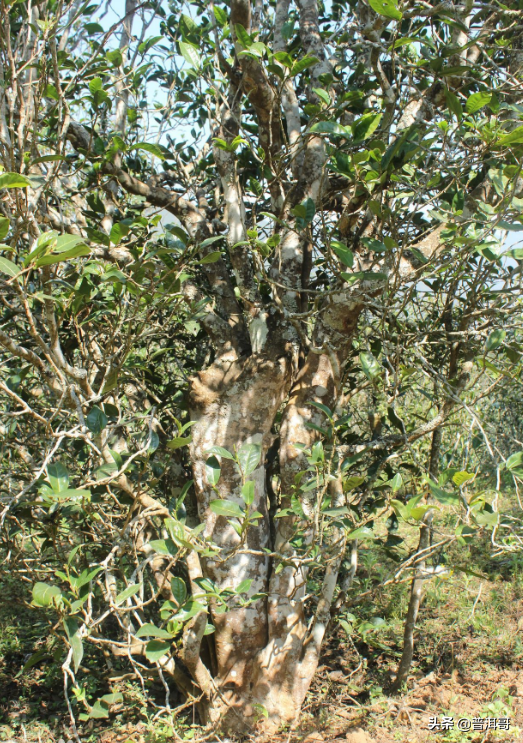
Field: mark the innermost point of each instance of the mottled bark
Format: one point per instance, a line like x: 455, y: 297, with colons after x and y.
x: 234, y: 403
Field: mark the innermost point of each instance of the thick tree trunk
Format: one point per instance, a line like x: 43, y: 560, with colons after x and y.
x: 266, y: 655
x: 234, y: 403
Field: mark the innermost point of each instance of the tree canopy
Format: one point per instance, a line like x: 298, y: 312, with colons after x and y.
x: 260, y: 292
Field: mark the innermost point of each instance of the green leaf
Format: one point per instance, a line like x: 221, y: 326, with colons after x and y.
x: 75, y: 252
x: 353, y: 482
x: 323, y: 95
x: 210, y: 240
x: 346, y: 626
x: 328, y: 127
x: 114, y: 274
x: 188, y: 26
x: 4, y: 227
x: 106, y: 470
x: 96, y: 420
x: 118, y: 231
x: 495, y: 339
x: 274, y: 70
x: 336, y: 512
x: 226, y: 508
x: 317, y: 453
x: 69, y: 494
x: 345, y: 255
x: 115, y: 57
x: 51, y: 92
x: 95, y: 85
x: 515, y: 137
x: 365, y: 127
x: 131, y: 590
x: 94, y: 28
x: 486, y: 518
x: 190, y: 54
x: 179, y: 590
x: 14, y: 180
x: 454, y: 104
x: 303, y: 64
x: 65, y: 243
x: 476, y: 101
x: 487, y: 252
x: 33, y: 660
x: 401, y: 510
x: 8, y: 267
x: 510, y: 226
x: 211, y: 257
x: 44, y: 594
x: 58, y: 476
x: 111, y: 381
x: 304, y: 212
x: 249, y: 457
x: 376, y: 245
x: 256, y: 49
x: 87, y: 575
x: 418, y: 512
x: 149, y: 43
x: 221, y: 452
x: 460, y: 478
x: 370, y: 365
x: 248, y: 492
x: 442, y: 496
x: 363, y: 532
x: 156, y: 649
x: 397, y: 482
x: 287, y: 30
x: 514, y: 461
x: 100, y: 97
x: 212, y: 470
x: 323, y: 408
x: 71, y: 628
x: 243, y: 37
x: 178, y: 442
x: 164, y: 547
x: 150, y: 630
x: 99, y: 710
x: 220, y: 15
x: 284, y: 59
x: 116, y: 698
x: 404, y: 40
x: 153, y: 149
x: 206, y: 585
x: 191, y: 609
x: 244, y: 586
x: 388, y: 8
x: 96, y: 236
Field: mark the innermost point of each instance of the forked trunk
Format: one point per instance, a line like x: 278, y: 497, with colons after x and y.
x: 265, y: 656
x: 266, y: 653
x: 234, y: 403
